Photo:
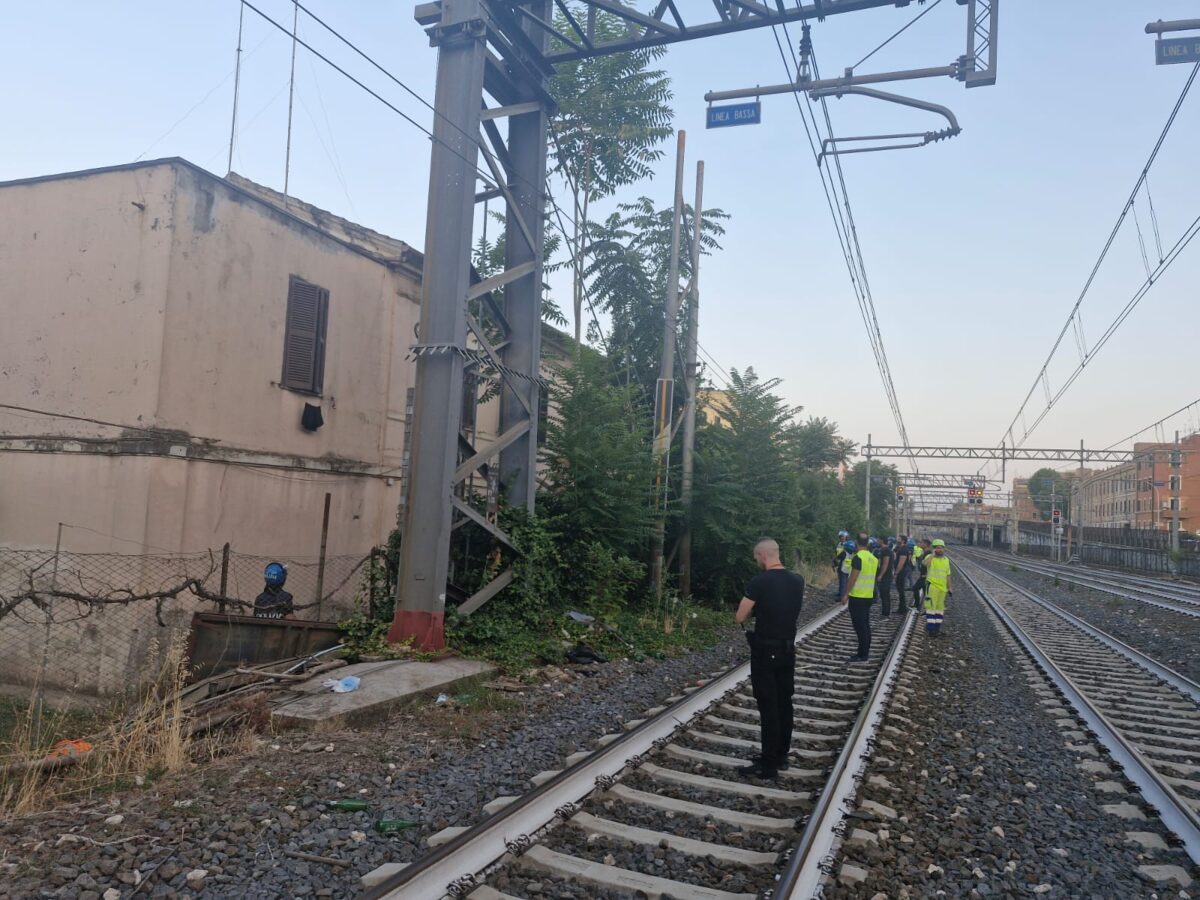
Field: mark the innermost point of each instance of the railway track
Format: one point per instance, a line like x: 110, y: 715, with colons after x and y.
x: 1146, y: 715
x: 1178, y: 598
x: 666, y: 797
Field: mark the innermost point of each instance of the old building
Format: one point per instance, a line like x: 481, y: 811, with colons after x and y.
x: 1108, y: 498
x: 189, y: 361
x: 1153, y: 475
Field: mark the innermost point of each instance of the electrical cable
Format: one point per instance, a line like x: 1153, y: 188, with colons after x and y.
x: 847, y: 240
x: 1129, y: 204
x: 903, y: 29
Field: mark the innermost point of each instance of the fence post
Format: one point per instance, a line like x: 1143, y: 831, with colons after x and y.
x: 371, y: 588
x: 224, y: 576
x: 321, y: 559
x: 40, y: 702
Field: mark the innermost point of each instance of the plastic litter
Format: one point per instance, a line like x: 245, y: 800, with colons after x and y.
x: 342, y: 685
x: 442, y: 698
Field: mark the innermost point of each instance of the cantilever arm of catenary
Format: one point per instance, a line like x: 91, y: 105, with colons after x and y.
x: 927, y: 137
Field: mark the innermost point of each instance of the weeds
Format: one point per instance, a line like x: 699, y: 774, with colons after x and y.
x: 148, y: 738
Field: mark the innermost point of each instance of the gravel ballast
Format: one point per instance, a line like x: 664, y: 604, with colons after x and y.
x: 989, y: 801
x: 237, y: 818
x: 1169, y: 637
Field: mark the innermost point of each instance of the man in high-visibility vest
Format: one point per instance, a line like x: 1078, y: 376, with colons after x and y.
x: 859, y: 595
x: 937, y: 587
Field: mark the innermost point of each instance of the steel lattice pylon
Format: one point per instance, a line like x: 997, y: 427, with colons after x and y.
x: 495, y: 59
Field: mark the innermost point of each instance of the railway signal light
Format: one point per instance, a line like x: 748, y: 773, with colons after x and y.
x: 1056, y: 515
x: 899, y: 492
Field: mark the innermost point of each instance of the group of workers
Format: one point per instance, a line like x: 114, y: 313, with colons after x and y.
x: 867, y: 569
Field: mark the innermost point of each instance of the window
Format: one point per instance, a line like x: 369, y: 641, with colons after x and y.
x: 304, y: 337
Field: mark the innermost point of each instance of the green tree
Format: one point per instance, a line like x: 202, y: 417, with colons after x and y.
x: 597, y: 457
x: 747, y: 486
x: 628, y: 271
x: 613, y: 114
x: 1046, y: 482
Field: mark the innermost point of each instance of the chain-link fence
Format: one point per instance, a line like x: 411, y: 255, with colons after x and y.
x: 95, y: 622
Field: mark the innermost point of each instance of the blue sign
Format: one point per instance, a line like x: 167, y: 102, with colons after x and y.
x: 1177, y: 50
x: 735, y: 114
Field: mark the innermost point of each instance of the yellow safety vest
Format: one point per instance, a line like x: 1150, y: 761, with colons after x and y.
x: 938, y: 571
x: 918, y: 552
x: 864, y: 585
x: 846, y: 557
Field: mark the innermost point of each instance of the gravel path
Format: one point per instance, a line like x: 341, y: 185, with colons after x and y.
x: 1169, y: 637
x: 989, y: 802
x: 236, y: 818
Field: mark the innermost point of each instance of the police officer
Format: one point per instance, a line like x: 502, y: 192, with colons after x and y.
x: 918, y: 586
x: 773, y: 597
x: 840, y: 566
x: 274, y: 602
x: 886, y: 554
x: 901, y: 568
x: 859, y: 595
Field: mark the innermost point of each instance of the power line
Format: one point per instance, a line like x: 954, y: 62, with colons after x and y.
x: 847, y: 234
x: 1072, y: 317
x: 897, y: 34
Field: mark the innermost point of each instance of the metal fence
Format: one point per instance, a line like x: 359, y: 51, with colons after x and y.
x: 96, y: 622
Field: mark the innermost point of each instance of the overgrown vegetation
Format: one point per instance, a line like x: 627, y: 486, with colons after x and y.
x: 134, y: 739
x: 761, y: 468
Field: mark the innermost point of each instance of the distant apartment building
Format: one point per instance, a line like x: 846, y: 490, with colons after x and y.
x: 1108, y: 498
x: 1022, y: 501
x: 1152, y: 468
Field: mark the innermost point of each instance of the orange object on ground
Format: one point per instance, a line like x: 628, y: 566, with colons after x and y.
x: 69, y: 748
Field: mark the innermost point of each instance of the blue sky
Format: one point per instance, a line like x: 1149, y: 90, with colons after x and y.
x: 976, y: 247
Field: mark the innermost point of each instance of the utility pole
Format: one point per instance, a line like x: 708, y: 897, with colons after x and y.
x: 868, y: 497
x: 1176, y: 490
x: 691, y: 377
x: 664, y: 395
x: 1016, y: 523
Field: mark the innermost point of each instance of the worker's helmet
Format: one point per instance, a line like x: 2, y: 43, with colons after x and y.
x: 843, y: 533
x: 850, y: 547
x: 872, y: 543
x: 939, y: 543
x: 275, y: 574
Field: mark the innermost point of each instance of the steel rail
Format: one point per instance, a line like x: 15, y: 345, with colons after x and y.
x: 1176, y: 587
x: 476, y: 850
x: 1181, y: 683
x: 1176, y: 815
x: 807, y: 865
x: 1136, y: 594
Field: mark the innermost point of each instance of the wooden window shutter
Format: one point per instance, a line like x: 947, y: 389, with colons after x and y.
x: 304, y: 337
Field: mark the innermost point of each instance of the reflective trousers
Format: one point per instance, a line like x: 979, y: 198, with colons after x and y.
x: 935, y: 607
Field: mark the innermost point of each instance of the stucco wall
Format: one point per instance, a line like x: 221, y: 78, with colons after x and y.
x: 84, y: 265
x: 156, y: 297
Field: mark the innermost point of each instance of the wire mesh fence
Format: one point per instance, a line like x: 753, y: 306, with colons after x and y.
x: 94, y: 622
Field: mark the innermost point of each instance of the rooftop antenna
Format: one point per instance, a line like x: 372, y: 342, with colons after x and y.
x: 287, y: 159
x: 237, y: 81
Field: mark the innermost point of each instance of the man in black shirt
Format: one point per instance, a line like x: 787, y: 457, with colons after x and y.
x: 900, y: 568
x: 773, y: 597
x: 887, y: 559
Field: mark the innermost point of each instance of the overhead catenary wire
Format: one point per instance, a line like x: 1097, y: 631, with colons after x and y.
x: 898, y: 32
x: 842, y: 214
x: 1125, y: 209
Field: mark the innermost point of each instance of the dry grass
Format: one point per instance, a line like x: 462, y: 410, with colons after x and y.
x: 144, y: 738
